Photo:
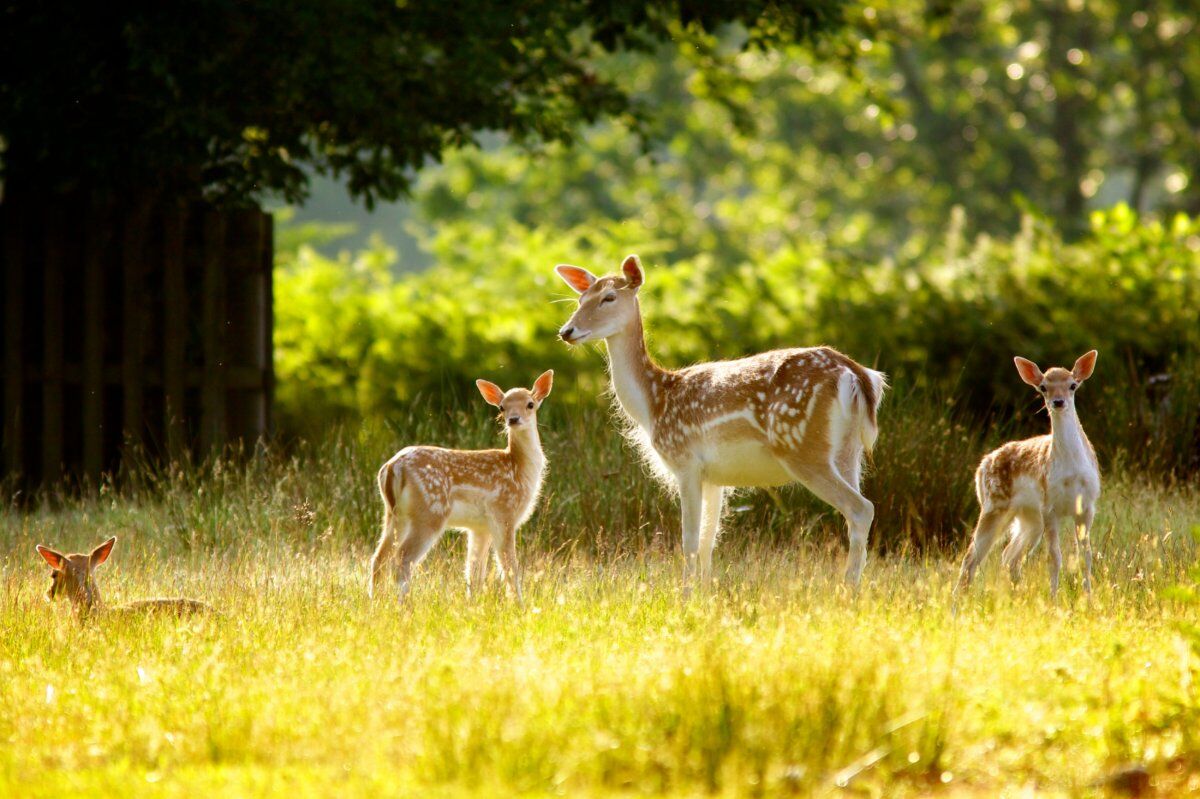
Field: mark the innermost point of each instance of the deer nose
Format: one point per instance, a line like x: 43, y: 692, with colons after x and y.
x: 565, y: 332
x: 514, y: 420
x: 1060, y: 403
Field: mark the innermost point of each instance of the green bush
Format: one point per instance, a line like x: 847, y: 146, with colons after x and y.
x: 356, y: 341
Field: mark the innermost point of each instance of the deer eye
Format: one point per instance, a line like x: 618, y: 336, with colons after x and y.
x: 1074, y: 386
x: 608, y: 298
x: 530, y: 406
x: 1042, y: 389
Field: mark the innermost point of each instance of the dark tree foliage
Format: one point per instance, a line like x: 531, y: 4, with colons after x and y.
x: 234, y: 100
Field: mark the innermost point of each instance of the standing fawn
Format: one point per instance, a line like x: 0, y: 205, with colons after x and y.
x: 489, y: 493
x: 71, y: 576
x: 795, y: 415
x: 1030, y: 485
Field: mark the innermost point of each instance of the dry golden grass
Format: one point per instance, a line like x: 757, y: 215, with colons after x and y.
x: 778, y: 681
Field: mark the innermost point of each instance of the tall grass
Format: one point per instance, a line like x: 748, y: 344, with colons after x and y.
x: 1151, y: 422
x: 775, y: 682
x: 599, y: 500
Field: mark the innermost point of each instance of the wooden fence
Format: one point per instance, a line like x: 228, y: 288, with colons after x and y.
x: 130, y: 321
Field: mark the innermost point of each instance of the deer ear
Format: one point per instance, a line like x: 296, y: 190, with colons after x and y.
x: 1083, y: 367
x: 101, y: 553
x: 55, y: 559
x: 541, y: 386
x: 632, y: 269
x: 490, y: 391
x: 579, y: 279
x: 1029, y: 371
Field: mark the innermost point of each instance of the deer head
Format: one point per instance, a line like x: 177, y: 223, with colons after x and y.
x: 518, y: 406
x: 607, y: 305
x: 71, y: 575
x: 1058, y: 385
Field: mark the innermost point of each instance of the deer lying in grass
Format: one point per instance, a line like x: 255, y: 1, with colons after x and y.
x: 1031, y: 484
x: 489, y: 493
x: 794, y: 415
x: 72, y: 576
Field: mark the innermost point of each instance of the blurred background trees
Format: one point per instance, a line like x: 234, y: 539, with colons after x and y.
x: 236, y: 102
x: 136, y: 141
x: 931, y: 188
x: 1000, y: 108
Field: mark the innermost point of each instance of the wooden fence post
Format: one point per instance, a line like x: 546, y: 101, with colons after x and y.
x: 14, y: 320
x: 175, y: 323
x: 212, y: 333
x: 96, y: 241
x: 53, y: 320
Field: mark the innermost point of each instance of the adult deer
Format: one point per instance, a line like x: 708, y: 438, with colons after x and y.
x: 1029, y: 485
x: 71, y: 576
x: 795, y: 415
x: 489, y: 493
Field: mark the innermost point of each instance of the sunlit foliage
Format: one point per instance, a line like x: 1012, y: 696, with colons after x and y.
x: 355, y: 340
x: 1000, y: 107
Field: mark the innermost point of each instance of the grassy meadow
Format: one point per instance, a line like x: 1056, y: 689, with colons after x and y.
x: 932, y: 187
x: 776, y: 682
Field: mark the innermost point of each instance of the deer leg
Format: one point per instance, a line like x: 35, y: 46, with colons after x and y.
x: 1083, y: 541
x: 713, y: 497
x: 510, y: 567
x: 1054, y: 544
x: 412, y: 549
x: 383, y: 552
x: 1029, y: 531
x: 479, y: 542
x: 991, y: 522
x: 691, y: 501
x: 830, y: 486
x: 849, y: 462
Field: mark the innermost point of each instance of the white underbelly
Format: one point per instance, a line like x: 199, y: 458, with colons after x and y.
x: 466, y: 519
x: 469, y: 509
x: 742, y: 464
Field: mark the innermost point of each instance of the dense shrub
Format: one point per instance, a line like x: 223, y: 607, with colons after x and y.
x: 355, y: 341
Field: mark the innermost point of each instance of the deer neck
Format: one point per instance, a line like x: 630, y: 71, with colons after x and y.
x: 525, y: 452
x: 86, y: 600
x: 636, y: 378
x: 1068, y: 442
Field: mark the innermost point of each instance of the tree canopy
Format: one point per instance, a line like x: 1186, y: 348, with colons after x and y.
x: 236, y: 101
x: 1000, y: 107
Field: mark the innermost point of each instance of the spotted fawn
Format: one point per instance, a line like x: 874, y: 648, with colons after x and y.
x: 489, y: 493
x: 1028, y: 486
